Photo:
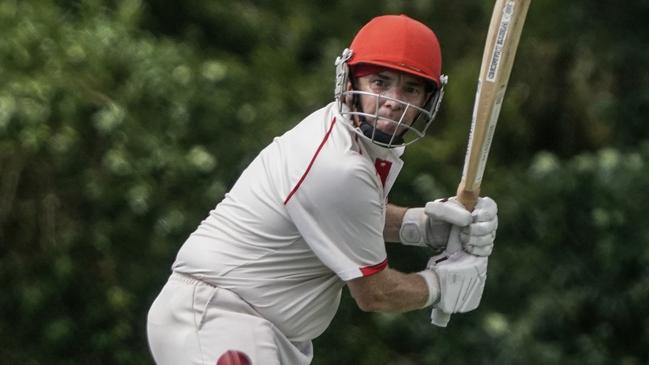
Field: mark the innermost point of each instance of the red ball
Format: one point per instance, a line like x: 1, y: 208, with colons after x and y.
x: 232, y: 357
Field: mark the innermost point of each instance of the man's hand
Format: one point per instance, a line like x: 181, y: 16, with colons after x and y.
x: 461, y: 279
x: 478, y: 238
x: 431, y: 226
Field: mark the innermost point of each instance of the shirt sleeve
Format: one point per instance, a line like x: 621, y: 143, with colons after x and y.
x: 339, y: 211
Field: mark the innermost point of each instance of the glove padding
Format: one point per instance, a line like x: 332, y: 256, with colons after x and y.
x: 478, y: 238
x: 431, y: 226
x: 462, y: 278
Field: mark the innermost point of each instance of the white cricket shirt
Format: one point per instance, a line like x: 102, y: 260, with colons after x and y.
x: 305, y: 216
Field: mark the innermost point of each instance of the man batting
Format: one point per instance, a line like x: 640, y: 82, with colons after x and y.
x: 262, y: 275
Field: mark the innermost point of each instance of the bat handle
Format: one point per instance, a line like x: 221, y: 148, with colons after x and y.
x: 467, y: 197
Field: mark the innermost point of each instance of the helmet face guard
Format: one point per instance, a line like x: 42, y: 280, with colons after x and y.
x: 364, y: 122
x: 401, y: 44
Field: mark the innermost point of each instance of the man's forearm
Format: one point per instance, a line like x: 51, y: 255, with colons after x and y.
x: 393, y: 218
x: 390, y: 291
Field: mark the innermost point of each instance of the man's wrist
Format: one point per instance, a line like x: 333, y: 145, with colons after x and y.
x: 393, y: 223
x: 432, y: 282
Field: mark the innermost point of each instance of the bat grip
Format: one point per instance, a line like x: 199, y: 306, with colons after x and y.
x: 468, y: 198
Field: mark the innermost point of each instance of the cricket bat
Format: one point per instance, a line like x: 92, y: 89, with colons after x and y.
x: 497, y: 60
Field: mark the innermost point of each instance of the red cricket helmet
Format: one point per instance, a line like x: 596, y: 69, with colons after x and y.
x: 398, y: 42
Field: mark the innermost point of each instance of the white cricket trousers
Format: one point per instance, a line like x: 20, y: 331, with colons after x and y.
x: 192, y: 322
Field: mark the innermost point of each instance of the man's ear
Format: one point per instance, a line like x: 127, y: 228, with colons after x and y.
x: 350, y: 86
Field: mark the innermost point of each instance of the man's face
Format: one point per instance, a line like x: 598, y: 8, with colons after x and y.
x: 392, y: 85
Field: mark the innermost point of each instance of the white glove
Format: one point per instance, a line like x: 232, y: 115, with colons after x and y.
x: 461, y: 270
x: 431, y: 226
x: 478, y: 238
x: 460, y: 282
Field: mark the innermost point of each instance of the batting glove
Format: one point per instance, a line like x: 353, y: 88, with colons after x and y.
x: 431, y: 225
x: 478, y: 238
x: 461, y: 280
x: 455, y: 284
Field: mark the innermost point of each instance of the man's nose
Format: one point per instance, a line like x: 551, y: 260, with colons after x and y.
x: 391, y: 97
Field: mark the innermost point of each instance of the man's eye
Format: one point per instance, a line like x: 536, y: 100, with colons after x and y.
x: 378, y: 82
x: 413, y: 90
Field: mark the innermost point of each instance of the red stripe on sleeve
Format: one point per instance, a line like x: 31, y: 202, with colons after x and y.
x: 324, y: 140
x: 373, y: 269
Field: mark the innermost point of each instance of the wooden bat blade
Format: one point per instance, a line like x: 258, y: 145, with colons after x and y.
x: 497, y: 59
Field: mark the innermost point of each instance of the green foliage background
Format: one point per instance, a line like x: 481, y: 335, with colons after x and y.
x: 123, y: 122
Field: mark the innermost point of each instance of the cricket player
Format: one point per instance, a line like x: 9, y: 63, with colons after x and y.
x: 262, y: 275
